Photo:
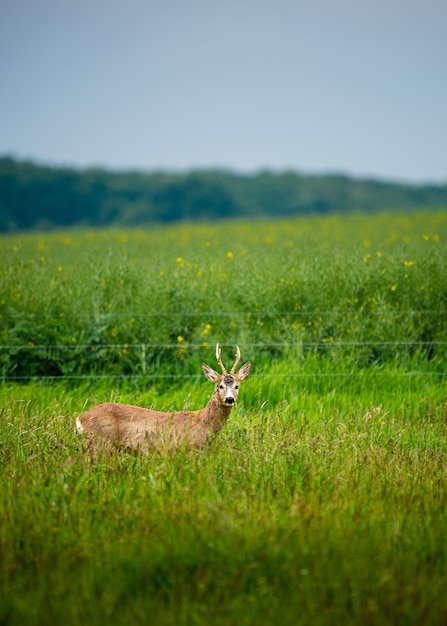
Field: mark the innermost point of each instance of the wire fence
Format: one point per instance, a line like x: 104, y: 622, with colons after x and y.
x: 262, y: 313
x: 185, y: 345
x: 325, y: 343
x: 173, y: 377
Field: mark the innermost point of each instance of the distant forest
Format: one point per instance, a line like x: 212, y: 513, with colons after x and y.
x: 38, y: 197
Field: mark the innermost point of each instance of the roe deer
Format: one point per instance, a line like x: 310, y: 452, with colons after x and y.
x: 125, y: 426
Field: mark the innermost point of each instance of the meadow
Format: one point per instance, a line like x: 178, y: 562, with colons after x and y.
x: 322, y: 501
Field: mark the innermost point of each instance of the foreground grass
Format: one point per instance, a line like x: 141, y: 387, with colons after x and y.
x: 325, y: 509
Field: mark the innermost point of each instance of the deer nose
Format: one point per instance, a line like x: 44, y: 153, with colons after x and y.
x: 229, y: 400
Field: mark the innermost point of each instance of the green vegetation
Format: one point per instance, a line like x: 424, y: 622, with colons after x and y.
x: 40, y: 197
x: 360, y: 290
x: 322, y: 502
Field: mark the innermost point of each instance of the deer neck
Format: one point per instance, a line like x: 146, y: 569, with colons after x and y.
x: 215, y: 414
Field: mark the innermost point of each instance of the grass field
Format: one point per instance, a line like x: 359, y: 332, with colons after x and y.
x: 323, y: 501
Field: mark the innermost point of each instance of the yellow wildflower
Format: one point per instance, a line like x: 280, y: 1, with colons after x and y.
x: 207, y: 329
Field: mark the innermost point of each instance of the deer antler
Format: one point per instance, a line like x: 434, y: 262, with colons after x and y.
x: 238, y: 358
x: 219, y: 359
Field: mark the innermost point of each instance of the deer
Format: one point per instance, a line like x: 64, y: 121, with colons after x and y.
x: 123, y: 426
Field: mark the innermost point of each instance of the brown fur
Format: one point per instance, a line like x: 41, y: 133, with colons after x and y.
x: 125, y: 426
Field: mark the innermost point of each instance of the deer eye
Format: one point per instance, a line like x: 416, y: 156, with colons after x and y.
x: 236, y: 386
x: 221, y: 387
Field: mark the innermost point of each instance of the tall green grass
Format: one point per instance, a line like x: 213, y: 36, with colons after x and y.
x: 322, y: 502
x: 335, y: 513
x: 134, y: 303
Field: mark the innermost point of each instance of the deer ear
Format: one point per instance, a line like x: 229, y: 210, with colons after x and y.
x: 244, y: 372
x: 210, y: 374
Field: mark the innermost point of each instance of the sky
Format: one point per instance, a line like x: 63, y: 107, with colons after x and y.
x: 316, y: 86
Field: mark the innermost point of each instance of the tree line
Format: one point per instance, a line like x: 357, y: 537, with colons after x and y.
x: 39, y: 197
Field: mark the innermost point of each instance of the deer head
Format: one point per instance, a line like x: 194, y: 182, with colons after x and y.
x: 227, y: 384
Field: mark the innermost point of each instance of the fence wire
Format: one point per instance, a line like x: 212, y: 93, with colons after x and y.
x: 186, y: 345
x: 210, y: 314
x: 324, y: 343
x: 172, y: 377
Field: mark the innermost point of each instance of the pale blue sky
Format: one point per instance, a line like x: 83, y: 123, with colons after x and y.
x: 316, y: 86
